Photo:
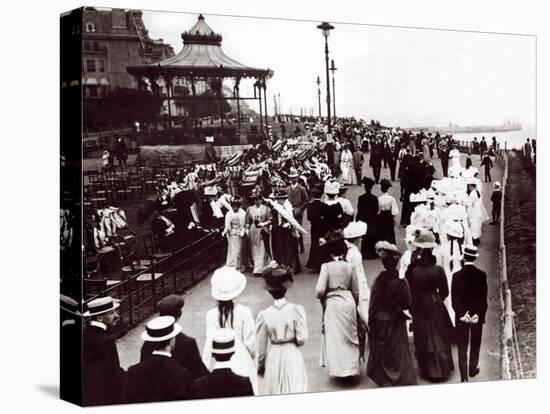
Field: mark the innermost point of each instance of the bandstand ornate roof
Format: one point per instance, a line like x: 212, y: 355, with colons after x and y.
x: 202, y: 55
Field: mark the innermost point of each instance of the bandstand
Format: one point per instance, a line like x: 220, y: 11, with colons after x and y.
x: 202, y: 66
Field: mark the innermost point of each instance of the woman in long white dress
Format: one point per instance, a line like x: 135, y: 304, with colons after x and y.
x: 258, y: 219
x: 227, y: 284
x: 338, y: 290
x: 347, y: 167
x: 281, y: 330
x: 234, y: 231
x: 475, y: 212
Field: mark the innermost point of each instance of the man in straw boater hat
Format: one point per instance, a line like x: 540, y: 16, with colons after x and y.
x: 496, y: 198
x: 222, y: 381
x: 103, y: 376
x: 297, y: 196
x: 469, y: 299
x: 186, y: 351
x: 159, y: 377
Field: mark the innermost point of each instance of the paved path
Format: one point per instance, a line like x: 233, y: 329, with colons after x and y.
x: 198, y: 301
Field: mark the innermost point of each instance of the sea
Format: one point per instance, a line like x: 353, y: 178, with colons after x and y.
x: 510, y: 139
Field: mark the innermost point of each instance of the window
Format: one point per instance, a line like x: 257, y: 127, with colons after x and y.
x: 90, y: 27
x: 93, y: 91
x: 87, y: 46
x: 101, y: 65
x: 96, y: 46
x: 90, y: 65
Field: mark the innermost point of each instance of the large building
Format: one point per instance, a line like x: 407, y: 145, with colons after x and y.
x: 112, y: 40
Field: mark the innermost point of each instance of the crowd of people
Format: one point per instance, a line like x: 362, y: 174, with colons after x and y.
x: 433, y: 289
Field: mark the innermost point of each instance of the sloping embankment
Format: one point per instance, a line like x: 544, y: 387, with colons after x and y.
x: 520, y: 239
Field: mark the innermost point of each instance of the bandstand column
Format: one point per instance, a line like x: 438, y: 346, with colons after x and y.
x: 237, y: 95
x: 264, y: 84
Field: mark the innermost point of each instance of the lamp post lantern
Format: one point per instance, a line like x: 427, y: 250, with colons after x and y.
x: 333, y: 69
x: 318, y: 82
x: 326, y: 27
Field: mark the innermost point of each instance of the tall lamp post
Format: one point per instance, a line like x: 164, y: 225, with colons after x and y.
x: 333, y: 69
x: 318, y: 82
x: 326, y: 27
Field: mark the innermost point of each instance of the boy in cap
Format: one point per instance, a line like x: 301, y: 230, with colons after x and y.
x: 186, y: 351
x: 103, y: 375
x: 222, y: 381
x: 469, y: 301
x: 159, y: 377
x: 496, y: 199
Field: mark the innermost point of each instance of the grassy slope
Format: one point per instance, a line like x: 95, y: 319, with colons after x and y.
x: 520, y: 238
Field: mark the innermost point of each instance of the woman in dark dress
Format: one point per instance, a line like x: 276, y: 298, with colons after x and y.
x: 333, y: 213
x: 318, y: 228
x: 432, y: 327
x: 367, y: 212
x: 390, y: 362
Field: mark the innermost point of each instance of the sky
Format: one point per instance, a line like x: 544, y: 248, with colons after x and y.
x: 399, y: 76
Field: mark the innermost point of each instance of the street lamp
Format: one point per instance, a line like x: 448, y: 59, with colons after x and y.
x: 326, y: 27
x: 333, y: 69
x: 319, y: 94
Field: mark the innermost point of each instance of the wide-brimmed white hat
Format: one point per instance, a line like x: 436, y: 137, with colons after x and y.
x: 410, y: 231
x: 456, y: 212
x: 471, y: 181
x: 227, y: 283
x: 418, y: 197
x: 424, y: 239
x: 100, y: 306
x: 355, y: 229
x: 161, y: 329
x: 223, y: 341
x: 332, y: 187
x: 453, y: 229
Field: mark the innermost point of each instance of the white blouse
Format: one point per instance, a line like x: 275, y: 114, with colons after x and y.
x: 387, y: 202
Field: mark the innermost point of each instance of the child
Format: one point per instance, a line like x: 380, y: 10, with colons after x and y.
x: 486, y: 161
x: 496, y: 198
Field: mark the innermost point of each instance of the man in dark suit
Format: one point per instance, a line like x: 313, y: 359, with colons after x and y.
x: 186, y: 351
x: 159, y: 377
x: 376, y: 156
x: 469, y: 301
x: 222, y: 381
x: 70, y: 346
x: 297, y: 196
x: 103, y: 376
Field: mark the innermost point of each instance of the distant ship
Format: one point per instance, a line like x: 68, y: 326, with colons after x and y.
x: 456, y: 129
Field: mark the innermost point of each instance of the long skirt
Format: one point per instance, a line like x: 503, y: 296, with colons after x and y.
x: 432, y: 337
x: 385, y: 227
x: 285, y: 369
x: 348, y: 174
x: 234, y: 248
x: 364, y: 168
x: 390, y: 361
x: 315, y: 258
x: 340, y: 343
x: 257, y: 245
x: 475, y: 226
x: 407, y: 209
x: 285, y: 248
x: 368, y: 242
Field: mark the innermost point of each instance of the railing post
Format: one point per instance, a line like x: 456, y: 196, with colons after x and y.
x: 130, y: 301
x: 153, y: 286
x: 508, y: 316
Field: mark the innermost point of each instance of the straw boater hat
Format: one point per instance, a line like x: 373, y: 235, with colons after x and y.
x: 100, y: 306
x: 69, y: 305
x: 497, y: 184
x: 293, y: 173
x: 223, y: 342
x: 227, y: 283
x: 332, y: 187
x: 210, y: 191
x: 470, y: 253
x: 162, y: 328
x: 355, y: 229
x: 424, y: 239
x: 277, y: 277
